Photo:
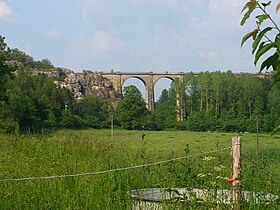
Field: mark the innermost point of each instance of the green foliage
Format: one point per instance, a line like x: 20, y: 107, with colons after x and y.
x: 94, y: 112
x: 76, y: 152
x: 165, y: 111
x: 131, y: 109
x: 251, y: 5
x: 151, y: 122
x: 33, y: 103
x: 22, y: 60
x: 228, y: 102
x: 198, y: 121
x: 69, y: 120
x: 214, y: 101
x: 265, y: 39
x: 5, y: 70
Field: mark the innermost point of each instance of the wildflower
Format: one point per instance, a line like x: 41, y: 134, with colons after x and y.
x: 230, y: 180
x: 208, y: 158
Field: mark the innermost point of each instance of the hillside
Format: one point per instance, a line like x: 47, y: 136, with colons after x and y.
x: 80, y: 84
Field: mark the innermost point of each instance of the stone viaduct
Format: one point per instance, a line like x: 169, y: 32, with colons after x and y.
x: 149, y: 79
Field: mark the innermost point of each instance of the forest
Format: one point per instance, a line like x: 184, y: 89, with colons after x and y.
x: 214, y: 101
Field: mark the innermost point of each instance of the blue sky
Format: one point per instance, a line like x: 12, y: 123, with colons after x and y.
x: 130, y: 35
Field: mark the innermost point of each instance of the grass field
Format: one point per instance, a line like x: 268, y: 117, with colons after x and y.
x: 74, y: 152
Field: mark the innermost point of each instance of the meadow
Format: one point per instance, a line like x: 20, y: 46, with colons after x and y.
x: 67, y: 152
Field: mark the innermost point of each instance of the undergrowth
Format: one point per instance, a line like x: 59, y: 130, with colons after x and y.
x: 74, y: 153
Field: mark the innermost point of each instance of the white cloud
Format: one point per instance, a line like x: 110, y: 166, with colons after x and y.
x: 225, y: 6
x: 88, y: 8
x: 165, y: 3
x: 91, y: 8
x: 100, y: 51
x: 223, y: 15
x: 52, y: 33
x: 99, y: 47
x: 212, y: 57
x: 5, y: 11
x: 226, y: 12
x: 156, y: 30
x: 102, y: 42
x: 198, y: 2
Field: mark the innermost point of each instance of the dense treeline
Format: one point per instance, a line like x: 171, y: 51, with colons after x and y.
x: 30, y: 103
x: 35, y: 103
x: 216, y: 101
x: 230, y: 102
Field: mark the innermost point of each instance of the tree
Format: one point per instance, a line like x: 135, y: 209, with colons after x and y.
x: 20, y: 58
x: 93, y: 111
x: 165, y: 111
x: 34, y: 103
x: 164, y: 97
x: 45, y: 64
x: 192, y: 93
x: 131, y: 110
x: 274, y: 104
x: 178, y: 92
x: 265, y: 39
x: 6, y: 71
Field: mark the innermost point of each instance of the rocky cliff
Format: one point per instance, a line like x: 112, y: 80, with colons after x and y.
x: 81, y: 84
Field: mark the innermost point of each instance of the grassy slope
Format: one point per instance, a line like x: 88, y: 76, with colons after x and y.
x: 70, y: 152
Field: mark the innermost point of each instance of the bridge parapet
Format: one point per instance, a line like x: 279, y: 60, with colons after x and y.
x: 149, y: 80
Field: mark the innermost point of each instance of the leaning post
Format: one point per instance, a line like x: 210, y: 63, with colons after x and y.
x: 236, y: 172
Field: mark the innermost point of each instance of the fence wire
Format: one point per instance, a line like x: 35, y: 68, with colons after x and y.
x: 112, y: 170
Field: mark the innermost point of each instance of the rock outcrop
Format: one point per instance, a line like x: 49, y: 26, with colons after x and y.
x: 81, y: 84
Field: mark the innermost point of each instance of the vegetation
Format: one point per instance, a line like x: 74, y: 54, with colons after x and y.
x: 216, y: 101
x: 266, y: 35
x: 32, y: 105
x: 5, y: 70
x: 74, y: 152
x: 131, y: 110
x: 266, y: 38
x: 21, y: 60
x: 228, y: 102
x: 165, y: 110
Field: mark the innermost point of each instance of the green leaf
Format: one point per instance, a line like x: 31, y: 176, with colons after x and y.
x: 277, y: 73
x: 277, y: 41
x: 276, y: 63
x: 261, y: 18
x: 247, y: 5
x: 247, y: 36
x: 262, y: 50
x: 269, y: 61
x: 266, y: 4
x: 251, y: 6
x: 277, y: 7
x: 259, y: 38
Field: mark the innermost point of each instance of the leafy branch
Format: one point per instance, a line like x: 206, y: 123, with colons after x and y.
x: 262, y: 43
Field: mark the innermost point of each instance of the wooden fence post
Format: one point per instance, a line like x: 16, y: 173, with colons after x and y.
x: 236, y: 171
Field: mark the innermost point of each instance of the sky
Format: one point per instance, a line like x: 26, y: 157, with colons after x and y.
x: 130, y: 35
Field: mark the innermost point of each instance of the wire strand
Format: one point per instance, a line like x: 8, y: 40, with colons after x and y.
x: 111, y: 170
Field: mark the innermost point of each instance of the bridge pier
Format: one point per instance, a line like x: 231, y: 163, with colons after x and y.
x: 181, y: 108
x: 149, y: 80
x: 150, y: 98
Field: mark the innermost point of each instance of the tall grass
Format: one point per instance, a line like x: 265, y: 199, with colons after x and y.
x: 74, y: 152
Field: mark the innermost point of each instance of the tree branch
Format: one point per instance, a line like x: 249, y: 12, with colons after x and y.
x: 263, y: 9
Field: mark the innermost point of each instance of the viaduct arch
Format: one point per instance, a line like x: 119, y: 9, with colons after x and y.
x: 149, y: 79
